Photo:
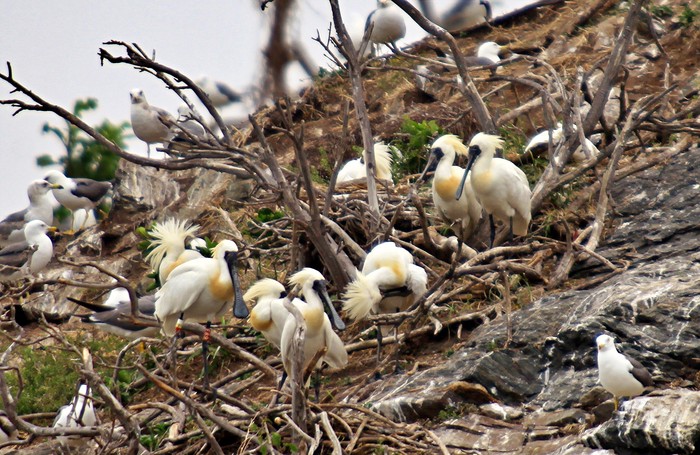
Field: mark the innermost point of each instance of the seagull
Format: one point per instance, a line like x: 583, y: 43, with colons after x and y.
x: 168, y: 242
x: 269, y: 314
x: 8, y: 431
x: 150, y: 124
x: 541, y: 140
x: 219, y: 93
x: 500, y: 186
x: 620, y: 375
x: 186, y: 131
x: 79, y: 412
x: 389, y: 282
x: 356, y: 169
x: 117, y: 319
x: 466, y: 14
x: 28, y: 256
x: 77, y: 193
x: 202, y: 289
x: 486, y: 54
x: 466, y: 210
x: 321, y: 317
x: 40, y: 208
x: 388, y: 25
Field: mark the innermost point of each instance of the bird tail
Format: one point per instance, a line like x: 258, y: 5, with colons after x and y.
x: 97, y: 308
x: 360, y: 297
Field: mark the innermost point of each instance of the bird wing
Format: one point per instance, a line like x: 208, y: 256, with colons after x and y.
x: 90, y: 189
x: 16, y: 254
x: 16, y: 217
x: 228, y: 92
x: 178, y: 295
x: 164, y: 116
x: 640, y: 373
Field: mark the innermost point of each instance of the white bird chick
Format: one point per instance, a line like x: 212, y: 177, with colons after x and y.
x: 269, y: 315
x: 389, y: 282
x: 219, y: 93
x: 150, y: 124
x: 320, y: 316
x: 77, y: 193
x: 79, y: 412
x: 620, y: 375
x: 29, y: 256
x: 356, y: 169
x: 466, y: 14
x: 40, y: 208
x: 388, y: 25
x: 168, y: 240
x: 500, y: 186
x: 202, y: 290
x: 466, y: 210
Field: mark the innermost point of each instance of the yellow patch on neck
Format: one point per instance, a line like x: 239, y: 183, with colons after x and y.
x: 260, y: 324
x: 221, y: 287
x: 446, y: 188
x: 313, y: 317
x: 169, y: 269
x: 481, y: 181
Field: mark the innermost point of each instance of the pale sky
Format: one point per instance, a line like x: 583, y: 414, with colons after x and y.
x: 53, y: 47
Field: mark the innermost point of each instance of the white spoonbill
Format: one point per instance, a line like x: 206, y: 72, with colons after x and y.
x: 168, y: 239
x: 150, y: 124
x: 499, y: 185
x: 619, y: 374
x: 40, y: 208
x: 389, y: 282
x: 356, y: 169
x: 466, y: 210
x: 78, y: 193
x: 320, y: 317
x: 269, y: 314
x: 201, y: 290
x: 29, y: 256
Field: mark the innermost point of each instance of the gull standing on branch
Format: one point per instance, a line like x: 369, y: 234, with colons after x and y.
x: 29, y: 256
x: 466, y: 210
x: 219, y: 93
x: 387, y: 22
x: 78, y: 193
x: 500, y: 186
x: 150, y: 124
x: 40, y: 208
x: 389, y: 282
x: 619, y: 374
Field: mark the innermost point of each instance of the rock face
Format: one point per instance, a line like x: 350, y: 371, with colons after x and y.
x: 652, y: 309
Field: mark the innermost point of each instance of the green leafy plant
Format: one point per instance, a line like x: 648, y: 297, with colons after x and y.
x: 662, y: 11
x: 85, y: 157
x: 688, y: 15
x: 414, y: 154
x: 155, y: 435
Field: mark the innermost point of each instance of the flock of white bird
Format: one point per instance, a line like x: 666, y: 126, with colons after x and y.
x: 203, y: 289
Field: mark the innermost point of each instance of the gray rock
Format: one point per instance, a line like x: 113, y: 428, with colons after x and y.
x: 666, y: 423
x: 500, y: 411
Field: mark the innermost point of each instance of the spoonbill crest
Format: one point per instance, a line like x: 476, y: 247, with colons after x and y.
x: 356, y: 169
x: 168, y: 240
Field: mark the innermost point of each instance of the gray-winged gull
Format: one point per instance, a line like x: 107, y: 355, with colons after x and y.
x: 40, y: 208
x: 117, y: 319
x: 28, y: 256
x: 388, y: 25
x: 465, y: 14
x: 79, y: 412
x: 219, y: 93
x: 150, y: 124
x: 619, y: 374
x: 77, y: 193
